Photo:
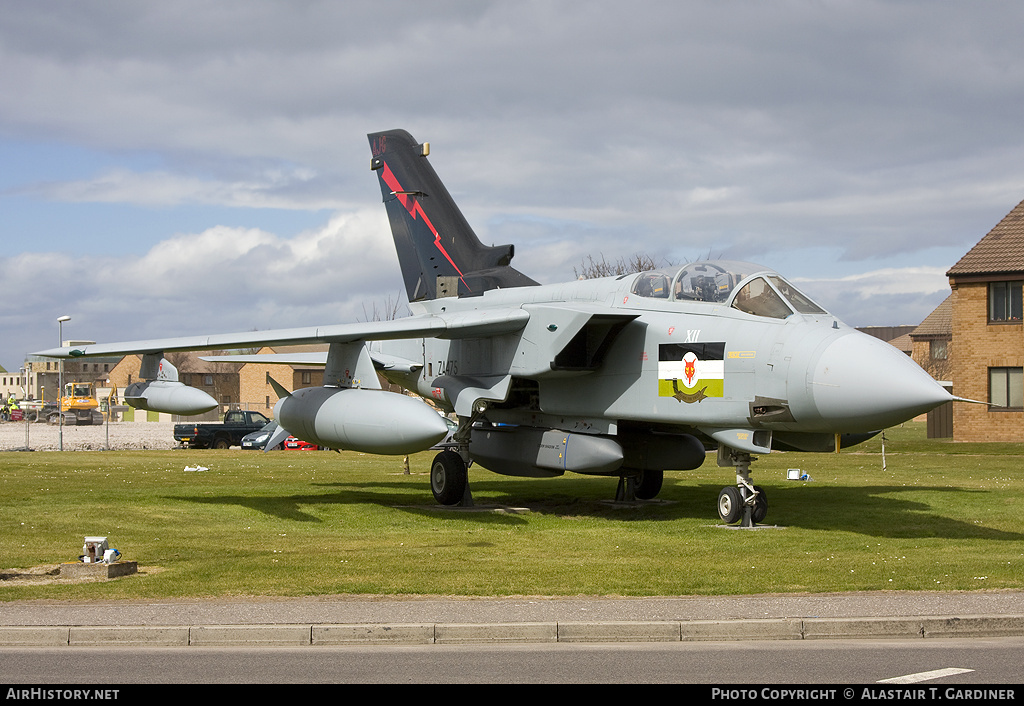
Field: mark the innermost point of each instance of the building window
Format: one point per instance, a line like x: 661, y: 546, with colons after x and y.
x: 1006, y: 387
x: 939, y: 349
x: 208, y: 380
x: 307, y: 378
x: 1004, y: 301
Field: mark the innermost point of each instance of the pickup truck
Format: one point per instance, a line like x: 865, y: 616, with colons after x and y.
x: 219, y: 435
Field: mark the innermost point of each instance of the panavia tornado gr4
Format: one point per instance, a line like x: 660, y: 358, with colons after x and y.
x: 625, y: 377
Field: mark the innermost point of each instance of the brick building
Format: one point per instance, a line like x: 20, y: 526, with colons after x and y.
x: 988, y: 324
x: 42, y: 374
x: 254, y: 385
x: 932, y: 348
x: 219, y: 380
x: 932, y: 342
x: 238, y: 385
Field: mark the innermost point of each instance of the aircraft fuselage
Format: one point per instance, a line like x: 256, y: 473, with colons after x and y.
x: 805, y: 377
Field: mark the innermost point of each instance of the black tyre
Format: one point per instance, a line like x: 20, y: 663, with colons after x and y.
x: 221, y: 444
x: 648, y: 484
x: 448, y: 478
x: 730, y: 505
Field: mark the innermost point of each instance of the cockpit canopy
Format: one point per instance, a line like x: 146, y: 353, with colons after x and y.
x: 750, y: 288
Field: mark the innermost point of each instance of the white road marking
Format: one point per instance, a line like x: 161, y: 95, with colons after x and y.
x: 925, y: 676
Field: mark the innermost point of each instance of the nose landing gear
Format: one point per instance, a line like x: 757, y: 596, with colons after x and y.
x: 745, y: 502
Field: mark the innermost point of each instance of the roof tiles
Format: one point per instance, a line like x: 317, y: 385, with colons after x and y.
x: 1001, y: 251
x: 939, y: 322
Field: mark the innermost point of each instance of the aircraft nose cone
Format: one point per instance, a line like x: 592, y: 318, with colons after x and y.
x: 861, y: 384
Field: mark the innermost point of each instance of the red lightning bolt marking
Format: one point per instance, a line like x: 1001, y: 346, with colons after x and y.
x: 415, y: 210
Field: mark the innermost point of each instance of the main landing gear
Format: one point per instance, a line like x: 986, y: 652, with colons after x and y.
x: 449, y: 474
x: 637, y: 484
x: 745, y: 503
x: 449, y: 479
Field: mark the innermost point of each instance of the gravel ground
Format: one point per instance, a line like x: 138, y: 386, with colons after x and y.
x: 123, y: 435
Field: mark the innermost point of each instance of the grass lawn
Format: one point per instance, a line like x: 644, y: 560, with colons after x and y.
x: 939, y: 516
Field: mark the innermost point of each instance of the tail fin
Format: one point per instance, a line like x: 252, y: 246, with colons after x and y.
x: 439, y: 253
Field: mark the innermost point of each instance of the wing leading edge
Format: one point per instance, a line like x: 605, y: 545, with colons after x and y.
x: 476, y: 323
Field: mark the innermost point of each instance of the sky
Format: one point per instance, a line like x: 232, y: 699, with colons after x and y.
x: 178, y: 168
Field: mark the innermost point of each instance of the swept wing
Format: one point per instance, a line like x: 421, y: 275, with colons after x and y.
x: 483, y: 323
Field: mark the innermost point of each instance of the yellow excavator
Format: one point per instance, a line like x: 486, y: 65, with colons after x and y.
x: 78, y: 405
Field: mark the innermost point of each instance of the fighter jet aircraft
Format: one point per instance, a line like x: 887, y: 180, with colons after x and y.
x: 625, y: 376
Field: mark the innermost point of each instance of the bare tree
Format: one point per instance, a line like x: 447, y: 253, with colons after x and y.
x: 592, y: 268
x: 383, y: 311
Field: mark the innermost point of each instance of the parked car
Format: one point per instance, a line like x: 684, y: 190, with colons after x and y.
x: 258, y: 439
x: 219, y: 435
x: 292, y: 443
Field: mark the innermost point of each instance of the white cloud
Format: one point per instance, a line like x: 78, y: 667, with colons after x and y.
x: 887, y: 281
x: 884, y: 297
x: 293, y: 189
x: 222, y: 279
x: 886, y: 133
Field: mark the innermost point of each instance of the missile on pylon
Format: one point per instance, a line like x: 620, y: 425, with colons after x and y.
x: 371, y: 421
x: 168, y: 396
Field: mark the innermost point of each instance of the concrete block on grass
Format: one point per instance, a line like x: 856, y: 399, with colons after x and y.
x: 79, y: 570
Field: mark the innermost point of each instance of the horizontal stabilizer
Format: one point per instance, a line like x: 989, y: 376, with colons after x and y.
x: 319, y: 358
x: 380, y: 360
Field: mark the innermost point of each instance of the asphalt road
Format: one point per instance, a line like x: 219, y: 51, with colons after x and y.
x: 939, y: 664
x: 849, y: 638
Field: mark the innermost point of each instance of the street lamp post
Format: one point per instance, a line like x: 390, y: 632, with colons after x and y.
x: 60, y: 381
x: 24, y: 395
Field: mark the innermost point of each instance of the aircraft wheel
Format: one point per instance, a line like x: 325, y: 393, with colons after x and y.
x: 448, y: 478
x: 730, y: 505
x: 648, y: 484
x: 760, y: 506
